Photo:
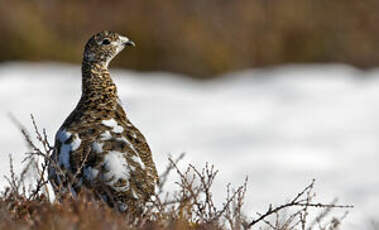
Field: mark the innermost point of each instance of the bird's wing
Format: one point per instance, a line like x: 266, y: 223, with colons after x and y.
x: 138, y: 142
x: 142, y: 148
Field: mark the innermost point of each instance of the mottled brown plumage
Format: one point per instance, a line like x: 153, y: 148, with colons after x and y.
x: 97, y: 146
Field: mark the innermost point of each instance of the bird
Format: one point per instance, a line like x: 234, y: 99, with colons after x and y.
x: 97, y: 147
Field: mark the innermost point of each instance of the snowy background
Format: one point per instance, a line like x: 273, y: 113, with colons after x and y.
x: 280, y: 126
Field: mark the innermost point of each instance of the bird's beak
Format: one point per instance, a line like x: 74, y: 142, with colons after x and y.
x: 126, y: 41
x: 129, y: 43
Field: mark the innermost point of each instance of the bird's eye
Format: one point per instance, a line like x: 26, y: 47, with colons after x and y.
x: 106, y: 41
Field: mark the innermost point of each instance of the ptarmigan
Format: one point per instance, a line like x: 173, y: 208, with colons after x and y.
x: 97, y: 146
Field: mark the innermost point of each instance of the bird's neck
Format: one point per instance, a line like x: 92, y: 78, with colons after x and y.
x: 97, y: 83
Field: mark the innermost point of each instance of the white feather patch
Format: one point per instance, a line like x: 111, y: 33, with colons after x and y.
x: 112, y: 123
x: 122, y: 207
x: 66, y: 149
x: 105, y: 136
x: 128, y: 143
x: 76, y: 141
x: 139, y: 161
x: 129, y: 125
x: 135, y: 157
x: 64, y: 156
x: 90, y: 173
x: 116, y: 167
x: 63, y: 135
x: 97, y: 147
x: 134, y: 194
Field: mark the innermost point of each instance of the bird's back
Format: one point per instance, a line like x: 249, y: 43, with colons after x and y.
x: 105, y: 153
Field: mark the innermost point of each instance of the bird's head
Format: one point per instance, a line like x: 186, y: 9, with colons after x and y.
x: 102, y: 47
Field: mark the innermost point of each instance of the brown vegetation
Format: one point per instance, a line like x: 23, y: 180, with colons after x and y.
x: 197, y: 37
x: 192, y: 206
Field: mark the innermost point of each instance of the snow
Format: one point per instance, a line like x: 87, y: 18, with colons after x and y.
x: 280, y: 126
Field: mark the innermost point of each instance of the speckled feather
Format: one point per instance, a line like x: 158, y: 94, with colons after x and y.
x: 97, y: 146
